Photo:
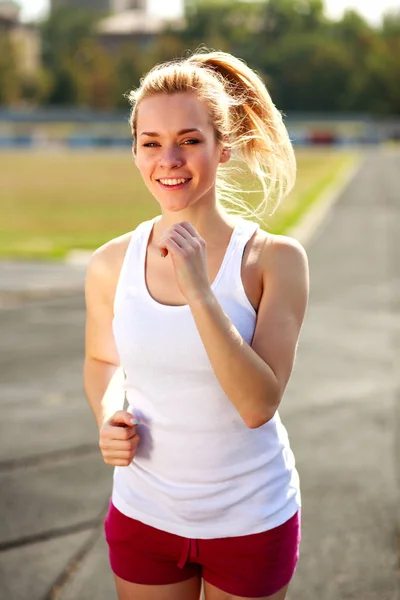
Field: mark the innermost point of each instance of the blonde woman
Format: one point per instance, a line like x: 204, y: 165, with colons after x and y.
x: 202, y: 310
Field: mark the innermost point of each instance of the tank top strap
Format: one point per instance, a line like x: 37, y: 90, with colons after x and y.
x: 232, y: 276
x: 130, y: 275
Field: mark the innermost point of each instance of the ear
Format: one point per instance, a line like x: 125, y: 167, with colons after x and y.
x: 226, y: 154
x: 134, y: 152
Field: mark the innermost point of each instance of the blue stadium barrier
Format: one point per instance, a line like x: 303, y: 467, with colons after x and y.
x: 97, y: 142
x: 16, y: 142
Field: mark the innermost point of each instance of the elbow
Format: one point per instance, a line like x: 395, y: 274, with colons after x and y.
x: 260, y: 416
x: 258, y: 420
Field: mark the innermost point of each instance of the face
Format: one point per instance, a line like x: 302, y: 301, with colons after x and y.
x: 176, y: 150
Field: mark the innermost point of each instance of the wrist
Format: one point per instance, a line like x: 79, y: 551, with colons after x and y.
x: 100, y: 424
x: 102, y: 420
x: 203, y: 300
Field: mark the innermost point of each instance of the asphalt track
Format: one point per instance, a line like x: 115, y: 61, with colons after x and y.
x: 341, y: 409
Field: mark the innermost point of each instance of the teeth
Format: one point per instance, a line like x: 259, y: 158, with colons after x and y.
x: 172, y: 181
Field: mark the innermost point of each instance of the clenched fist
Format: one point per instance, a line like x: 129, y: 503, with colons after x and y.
x: 118, y: 439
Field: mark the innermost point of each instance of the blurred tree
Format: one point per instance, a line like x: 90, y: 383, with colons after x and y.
x: 10, y: 83
x: 308, y: 61
x: 36, y: 87
x: 64, y: 31
x: 64, y: 34
x: 130, y: 63
x: 382, y: 89
x: 389, y: 59
x: 94, y: 76
x: 284, y: 18
x: 279, y: 23
x: 391, y: 24
x: 356, y: 37
x: 206, y: 23
x: 167, y: 46
x: 312, y: 74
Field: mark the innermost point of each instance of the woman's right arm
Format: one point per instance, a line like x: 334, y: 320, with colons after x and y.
x: 102, y: 374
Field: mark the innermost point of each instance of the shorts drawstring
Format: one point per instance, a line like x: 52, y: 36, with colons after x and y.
x: 189, y: 550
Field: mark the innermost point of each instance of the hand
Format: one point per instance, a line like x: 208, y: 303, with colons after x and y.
x: 188, y: 254
x: 118, y: 439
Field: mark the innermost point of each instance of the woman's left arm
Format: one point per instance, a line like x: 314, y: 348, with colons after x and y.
x: 255, y: 377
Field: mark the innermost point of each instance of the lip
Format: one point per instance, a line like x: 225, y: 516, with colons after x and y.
x: 174, y: 177
x: 174, y: 187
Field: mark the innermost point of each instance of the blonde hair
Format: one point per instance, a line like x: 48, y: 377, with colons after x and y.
x: 244, y: 118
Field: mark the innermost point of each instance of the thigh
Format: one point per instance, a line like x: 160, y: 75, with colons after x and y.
x: 143, y: 555
x: 253, y: 566
x: 184, y: 590
x: 213, y: 593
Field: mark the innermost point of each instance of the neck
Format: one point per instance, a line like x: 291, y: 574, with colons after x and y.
x: 211, y: 224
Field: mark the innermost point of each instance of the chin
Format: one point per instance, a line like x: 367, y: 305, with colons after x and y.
x: 175, y: 206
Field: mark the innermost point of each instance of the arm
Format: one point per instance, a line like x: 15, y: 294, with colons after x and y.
x: 254, y: 378
x: 103, y: 377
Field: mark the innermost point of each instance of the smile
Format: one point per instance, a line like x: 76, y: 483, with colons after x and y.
x: 173, y: 184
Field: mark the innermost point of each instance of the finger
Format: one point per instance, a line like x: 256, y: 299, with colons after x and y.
x: 180, y: 230
x: 123, y: 417
x: 189, y: 228
x: 109, y: 444
x: 188, y: 246
x: 173, y: 246
x: 162, y: 246
x: 118, y: 454
x: 118, y: 462
x: 191, y: 236
x: 120, y: 433
x: 197, y: 239
x: 173, y: 235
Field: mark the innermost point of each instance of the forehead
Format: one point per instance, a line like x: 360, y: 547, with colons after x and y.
x: 171, y: 112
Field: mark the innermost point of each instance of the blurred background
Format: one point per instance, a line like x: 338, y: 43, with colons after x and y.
x: 65, y: 67
x: 68, y: 184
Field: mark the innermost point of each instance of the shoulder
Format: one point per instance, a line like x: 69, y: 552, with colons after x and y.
x: 111, y: 254
x: 272, y: 251
x: 106, y: 262
x: 283, y: 264
x: 107, y: 256
x: 282, y: 251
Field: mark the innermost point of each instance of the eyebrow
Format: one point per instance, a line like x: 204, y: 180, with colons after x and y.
x: 181, y: 132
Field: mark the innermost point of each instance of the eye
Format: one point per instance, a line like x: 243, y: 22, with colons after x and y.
x: 150, y: 145
x: 192, y: 141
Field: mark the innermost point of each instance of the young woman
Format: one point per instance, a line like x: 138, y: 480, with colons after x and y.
x: 202, y: 311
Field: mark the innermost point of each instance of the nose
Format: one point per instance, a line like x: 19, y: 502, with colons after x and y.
x: 171, y: 157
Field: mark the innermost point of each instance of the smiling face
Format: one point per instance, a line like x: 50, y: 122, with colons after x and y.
x: 176, y: 150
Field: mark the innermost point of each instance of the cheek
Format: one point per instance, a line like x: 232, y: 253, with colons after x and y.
x: 144, y: 163
x: 206, y: 160
x: 207, y: 167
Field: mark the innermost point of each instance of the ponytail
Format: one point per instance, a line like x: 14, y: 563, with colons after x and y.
x: 257, y: 130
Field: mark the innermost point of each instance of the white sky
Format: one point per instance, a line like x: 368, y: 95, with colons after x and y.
x: 32, y: 9
x: 371, y: 9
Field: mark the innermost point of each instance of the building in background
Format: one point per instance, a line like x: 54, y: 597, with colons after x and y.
x: 108, y: 6
x: 125, y: 21
x: 100, y: 5
x: 25, y: 38
x: 132, y: 21
x: 9, y: 14
x: 119, y: 6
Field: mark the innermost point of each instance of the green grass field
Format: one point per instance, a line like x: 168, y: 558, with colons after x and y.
x: 51, y: 203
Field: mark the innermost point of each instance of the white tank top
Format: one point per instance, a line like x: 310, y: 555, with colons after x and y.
x: 199, y: 471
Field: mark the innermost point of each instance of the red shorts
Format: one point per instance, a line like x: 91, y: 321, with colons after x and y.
x: 252, y: 565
